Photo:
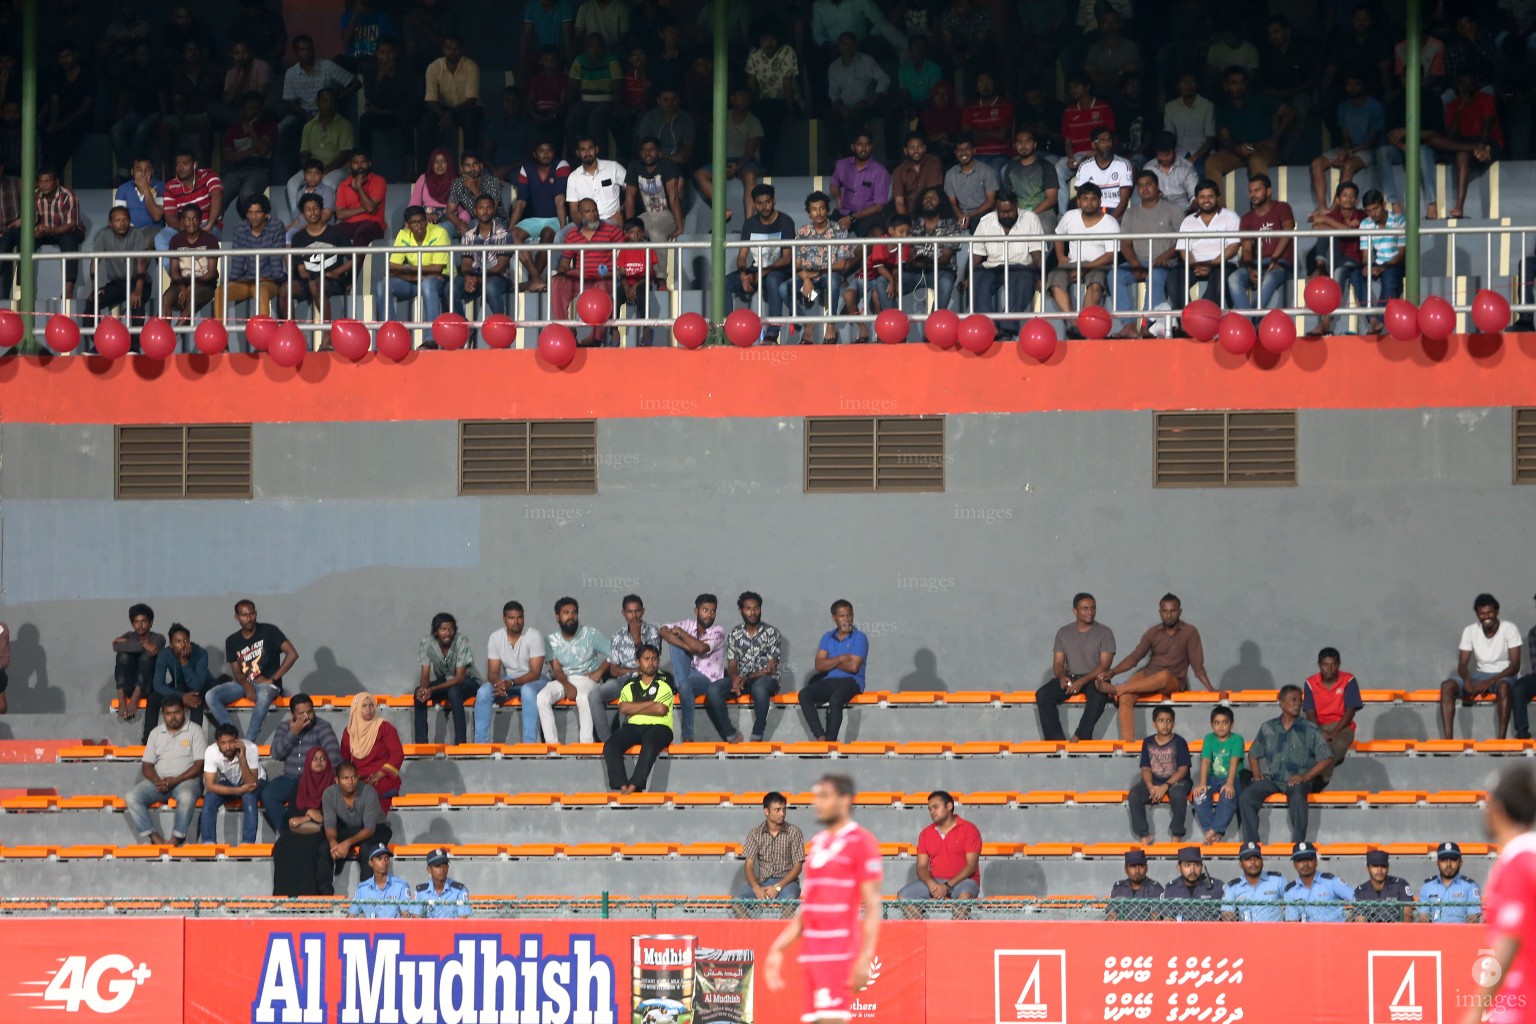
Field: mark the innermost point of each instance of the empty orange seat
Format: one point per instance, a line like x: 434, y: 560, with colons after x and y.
x: 695, y: 749
x: 707, y: 849
x: 914, y: 697
x: 525, y: 800
x: 1107, y: 849
x: 579, y: 749
x: 647, y: 849
x: 806, y: 748
x: 423, y: 749
x: 412, y: 800
x: 1053, y: 850
x: 984, y: 799
x: 701, y: 799
x: 920, y: 749
x: 84, y: 851
x: 1000, y: 849
x: 866, y: 748
x: 1019, y: 697
x: 477, y: 850
x: 1381, y: 746
x: 592, y: 849
x: 1099, y: 746
x: 1252, y: 696
x: 1044, y: 796
x: 469, y: 750
x: 897, y: 850
x: 474, y: 800
x: 587, y: 799
x: 644, y: 799
x: 1394, y: 797
x: 1422, y: 696
x: 83, y: 753
x: 27, y: 852
x: 972, y: 697
x: 1501, y: 746
x: 241, y: 851
x: 979, y: 748
x: 527, y: 749
x: 533, y: 850
x: 751, y: 749
x: 1037, y: 747
x: 29, y: 803
x: 877, y: 798
x: 1192, y: 697
x: 1381, y: 696
x: 1444, y: 746
x: 866, y: 699
x: 1456, y: 796
x: 1097, y: 796
x: 1341, y: 798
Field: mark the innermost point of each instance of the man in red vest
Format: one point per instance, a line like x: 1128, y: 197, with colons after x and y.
x: 1332, y: 698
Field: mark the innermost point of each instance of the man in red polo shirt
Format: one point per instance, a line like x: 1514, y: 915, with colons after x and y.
x: 948, y: 855
x: 1332, y: 698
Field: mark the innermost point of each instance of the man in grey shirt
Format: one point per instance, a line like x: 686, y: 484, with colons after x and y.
x: 354, y: 819
x: 622, y: 662
x: 1083, y: 649
x: 1145, y: 261
x: 125, y: 280
x: 970, y: 186
x: 292, y: 746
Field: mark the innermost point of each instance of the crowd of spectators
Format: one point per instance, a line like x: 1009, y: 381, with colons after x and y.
x: 909, y: 96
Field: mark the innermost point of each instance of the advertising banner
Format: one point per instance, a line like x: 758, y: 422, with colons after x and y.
x: 524, y: 972
x: 126, y: 970
x: 1053, y: 973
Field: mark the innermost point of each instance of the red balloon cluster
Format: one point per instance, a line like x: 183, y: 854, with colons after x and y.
x: 1437, y: 320
x: 258, y: 331
x: 1277, y: 331
x: 1402, y: 319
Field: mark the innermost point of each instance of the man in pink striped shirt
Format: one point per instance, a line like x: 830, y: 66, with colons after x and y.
x: 698, y: 659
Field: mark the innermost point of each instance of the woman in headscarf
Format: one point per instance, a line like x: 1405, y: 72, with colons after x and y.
x: 374, y: 746
x: 301, y: 857
x: 432, y: 188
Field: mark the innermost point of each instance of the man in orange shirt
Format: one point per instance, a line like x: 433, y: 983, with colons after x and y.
x: 1331, y: 700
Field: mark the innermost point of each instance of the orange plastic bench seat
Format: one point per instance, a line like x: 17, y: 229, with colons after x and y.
x: 29, y: 803
x: 1044, y: 796
x: 84, y: 851
x: 866, y: 699
x: 1456, y: 796
x: 424, y: 749
x: 866, y: 748
x: 592, y: 849
x: 915, y: 697
x: 533, y: 850
x: 474, y: 800
x: 1098, y: 747
x: 470, y: 750
x: 580, y: 749
x: 707, y: 849
x: 1381, y: 746
x: 1037, y: 747
x: 1444, y: 746
x: 27, y: 852
x: 979, y: 748
x: 647, y: 849
x: 83, y: 753
x: 476, y: 850
x: 703, y: 799
x: 751, y: 749
x: 922, y: 749
x: 1192, y: 697
x: 972, y: 697
x: 245, y: 851
x: 1019, y: 697
x: 411, y: 800
x: 1341, y: 798
x: 587, y: 799
x: 983, y: 799
x: 1381, y: 696
x: 528, y: 749
x: 1501, y: 746
x: 1052, y: 849
x: 807, y: 748
x: 877, y: 798
x: 1394, y: 797
x: 645, y: 800
x: 1000, y: 849
x: 897, y: 850
x: 527, y: 800
x: 697, y: 749
x: 1098, y: 796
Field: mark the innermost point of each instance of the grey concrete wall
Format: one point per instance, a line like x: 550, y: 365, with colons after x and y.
x: 357, y: 537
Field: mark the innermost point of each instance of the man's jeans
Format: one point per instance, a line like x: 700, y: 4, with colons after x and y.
x: 485, y: 709
x: 1122, y: 289
x: 1276, y: 277
x: 1023, y: 282
x: 227, y: 693
x: 434, y: 295
x: 277, y: 802
x: 1388, y: 286
x: 789, y: 892
x: 490, y: 297
x: 691, y: 683
x: 454, y: 696
x: 249, y: 818
x: 144, y: 793
x: 770, y: 285
x: 718, y: 695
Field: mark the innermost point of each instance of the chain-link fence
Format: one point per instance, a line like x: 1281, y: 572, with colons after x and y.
x: 603, y: 907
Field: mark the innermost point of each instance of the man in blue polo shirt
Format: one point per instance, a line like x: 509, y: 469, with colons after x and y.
x: 382, y: 895
x: 1314, y: 896
x: 1258, y: 894
x: 840, y: 662
x: 144, y: 195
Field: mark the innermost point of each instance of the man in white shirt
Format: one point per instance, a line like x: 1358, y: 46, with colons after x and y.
x: 1206, y: 256
x: 1012, y: 266
x: 856, y: 89
x: 232, y: 768
x: 514, y: 667
x: 1083, y: 263
x: 1488, y: 663
x: 1113, y: 174
x: 1176, y: 177
x: 601, y: 181
x: 172, y: 766
x: 1191, y: 118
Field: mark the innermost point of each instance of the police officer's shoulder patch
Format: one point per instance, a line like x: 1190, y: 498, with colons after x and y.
x: 1325, y: 874
x: 456, y: 885
x: 1468, y: 879
x: 1430, y: 880
x: 424, y: 887
x: 1233, y: 884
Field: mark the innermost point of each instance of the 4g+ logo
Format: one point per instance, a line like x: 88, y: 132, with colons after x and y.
x: 104, y: 985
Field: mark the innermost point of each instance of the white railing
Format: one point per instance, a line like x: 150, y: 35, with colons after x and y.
x: 1505, y: 267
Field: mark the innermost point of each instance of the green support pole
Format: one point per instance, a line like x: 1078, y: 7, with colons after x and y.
x: 28, y: 269
x: 1413, y: 74
x: 717, y: 159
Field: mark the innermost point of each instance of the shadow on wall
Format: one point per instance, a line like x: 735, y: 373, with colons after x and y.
x: 1249, y: 673
x: 329, y: 679
x: 30, y: 692
x: 924, y: 675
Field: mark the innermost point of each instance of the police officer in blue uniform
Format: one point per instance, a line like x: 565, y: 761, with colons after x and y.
x: 1258, y: 895
x: 384, y: 895
x: 1193, y: 884
x: 1314, y: 895
x: 1384, y: 896
x: 1450, y: 897
x: 1134, y: 886
x: 442, y: 896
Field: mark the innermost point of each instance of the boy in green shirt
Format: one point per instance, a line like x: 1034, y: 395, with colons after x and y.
x: 1221, y: 761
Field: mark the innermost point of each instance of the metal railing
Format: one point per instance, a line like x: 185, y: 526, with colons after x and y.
x: 847, y: 280
x: 606, y: 907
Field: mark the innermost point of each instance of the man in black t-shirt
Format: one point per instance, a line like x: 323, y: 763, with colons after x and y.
x: 763, y: 268
x: 259, y: 656
x: 320, y: 273
x: 654, y: 193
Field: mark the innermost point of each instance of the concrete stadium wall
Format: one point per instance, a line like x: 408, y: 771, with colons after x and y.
x: 357, y: 536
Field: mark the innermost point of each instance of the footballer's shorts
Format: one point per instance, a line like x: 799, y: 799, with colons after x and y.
x: 827, y: 995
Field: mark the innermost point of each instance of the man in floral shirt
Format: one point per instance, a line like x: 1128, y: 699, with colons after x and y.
x: 818, y: 268
x: 752, y: 652
x: 622, y: 661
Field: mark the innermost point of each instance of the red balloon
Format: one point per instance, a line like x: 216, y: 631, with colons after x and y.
x: 1277, y: 331
x: 594, y: 306
x: 157, y: 340
x: 1094, y: 322
x: 1202, y: 319
x: 1323, y: 295
x: 1236, y: 334
x: 743, y: 327
x: 62, y: 334
x: 977, y: 333
x: 287, y: 346
x: 450, y: 331
x: 11, y: 329
x: 1038, y: 339
x: 1402, y: 319
x: 210, y: 337
x: 1437, y: 320
x: 394, y: 340
x: 258, y: 331
x: 942, y: 328
x: 557, y: 344
x: 892, y: 326
x: 499, y: 331
x: 112, y: 339
x: 1490, y: 311
x: 691, y: 330
x: 350, y: 339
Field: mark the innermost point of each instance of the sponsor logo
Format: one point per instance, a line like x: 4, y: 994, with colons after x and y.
x: 1030, y: 985
x: 104, y: 985
x: 1403, y: 986
x: 382, y: 981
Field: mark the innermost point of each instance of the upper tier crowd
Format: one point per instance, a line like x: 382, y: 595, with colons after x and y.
x: 943, y: 117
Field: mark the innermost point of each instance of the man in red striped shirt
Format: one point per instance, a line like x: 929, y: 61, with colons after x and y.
x: 1084, y: 116
x: 582, y: 268
x: 58, y: 224
x: 1332, y: 698
x: 842, y: 877
x: 192, y: 186
x: 990, y: 120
